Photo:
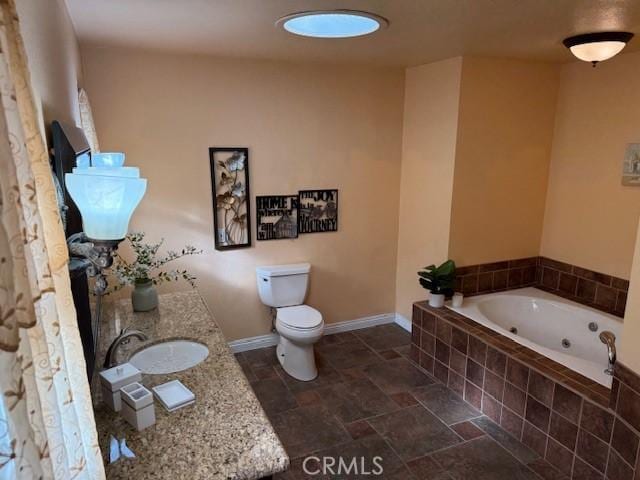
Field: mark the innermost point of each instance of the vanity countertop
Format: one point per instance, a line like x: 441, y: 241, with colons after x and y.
x: 224, y: 435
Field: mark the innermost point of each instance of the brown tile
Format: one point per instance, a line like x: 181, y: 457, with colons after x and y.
x: 467, y: 270
x: 517, y: 374
x: 592, y: 450
x: 263, y: 373
x: 459, y: 340
x: 627, y: 376
x: 563, y: 431
x: 414, y: 353
x: 352, y: 353
x: 425, y: 467
x: 567, y: 403
x: 428, y: 343
x: 458, y: 362
x: 396, y: 376
x: 591, y: 275
x: 467, y: 430
x: 613, y: 399
x: 617, y: 469
x: 442, y: 352
x: 511, y: 422
x: 485, y: 282
x: 273, y: 395
x: 496, y: 361
x: 491, y: 408
x: 404, y: 399
x: 597, y: 421
x: 492, y: 267
x: 568, y: 283
x: 355, y: 400
x: 389, y: 354
x: 625, y: 442
x: 413, y: 432
x: 470, y: 284
x: 473, y: 395
x: 493, y: 385
x: 584, y: 471
x: 383, y: 337
x: 477, y: 350
x: 416, y: 318
x: 307, y: 397
x: 541, y: 388
x: 456, y: 383
x: 621, y: 303
x: 444, y: 404
x: 529, y: 275
x: 500, y: 279
x: 606, y: 297
x: 620, y: 283
x: 515, y: 277
x: 537, y: 414
x: 441, y: 372
x: 443, y: 331
x: 586, y: 290
x: 563, y: 267
x: 514, y: 398
x: 545, y: 470
x: 426, y: 362
x: 534, y: 439
x: 550, y: 278
x: 359, y: 429
x: 429, y: 323
x: 475, y: 373
x: 559, y: 457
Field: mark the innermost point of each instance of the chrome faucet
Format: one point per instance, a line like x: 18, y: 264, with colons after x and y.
x: 609, y: 339
x: 122, y: 339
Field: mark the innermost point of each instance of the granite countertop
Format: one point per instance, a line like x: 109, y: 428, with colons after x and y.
x: 224, y: 435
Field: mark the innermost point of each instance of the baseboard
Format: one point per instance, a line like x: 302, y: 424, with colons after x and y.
x: 269, y: 340
x: 403, y: 322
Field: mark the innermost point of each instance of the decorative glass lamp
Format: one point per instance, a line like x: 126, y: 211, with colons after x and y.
x: 106, y: 196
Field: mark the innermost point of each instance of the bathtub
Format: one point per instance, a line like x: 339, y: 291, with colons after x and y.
x: 543, y: 321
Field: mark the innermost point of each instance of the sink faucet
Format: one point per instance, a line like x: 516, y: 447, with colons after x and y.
x: 609, y: 339
x: 122, y: 339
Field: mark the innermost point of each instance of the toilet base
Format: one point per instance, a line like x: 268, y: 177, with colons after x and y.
x: 297, y: 360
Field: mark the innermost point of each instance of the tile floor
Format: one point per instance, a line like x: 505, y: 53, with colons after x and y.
x: 371, y: 400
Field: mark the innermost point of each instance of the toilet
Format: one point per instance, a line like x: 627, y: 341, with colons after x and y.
x: 299, y: 326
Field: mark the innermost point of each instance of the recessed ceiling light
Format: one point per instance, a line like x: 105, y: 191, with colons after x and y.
x: 332, y: 23
x: 596, y: 47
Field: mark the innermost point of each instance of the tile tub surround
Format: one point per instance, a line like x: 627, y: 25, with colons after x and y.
x: 224, y: 435
x: 370, y: 400
x: 596, y: 290
x: 585, y: 430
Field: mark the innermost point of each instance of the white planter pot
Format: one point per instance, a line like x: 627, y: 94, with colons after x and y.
x: 436, y: 300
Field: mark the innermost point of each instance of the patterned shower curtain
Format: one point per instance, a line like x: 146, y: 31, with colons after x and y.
x: 47, y: 428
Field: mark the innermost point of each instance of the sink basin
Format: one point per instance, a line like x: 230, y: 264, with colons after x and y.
x: 169, y: 357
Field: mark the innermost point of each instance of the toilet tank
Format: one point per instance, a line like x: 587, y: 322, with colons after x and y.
x: 283, y: 285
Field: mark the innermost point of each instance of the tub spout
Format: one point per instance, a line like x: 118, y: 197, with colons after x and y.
x: 609, y: 339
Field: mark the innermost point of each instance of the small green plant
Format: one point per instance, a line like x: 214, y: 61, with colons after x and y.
x: 439, y: 280
x: 146, y: 265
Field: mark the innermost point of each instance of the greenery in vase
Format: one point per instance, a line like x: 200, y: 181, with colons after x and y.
x: 440, y: 279
x: 147, y: 265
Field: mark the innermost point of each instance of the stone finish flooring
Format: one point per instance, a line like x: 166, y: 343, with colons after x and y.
x: 370, y: 400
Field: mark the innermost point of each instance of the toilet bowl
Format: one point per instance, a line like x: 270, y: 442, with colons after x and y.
x: 299, y: 327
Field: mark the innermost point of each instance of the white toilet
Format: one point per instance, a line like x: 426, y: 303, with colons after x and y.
x: 284, y: 287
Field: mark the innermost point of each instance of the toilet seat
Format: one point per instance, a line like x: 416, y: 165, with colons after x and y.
x: 300, y: 317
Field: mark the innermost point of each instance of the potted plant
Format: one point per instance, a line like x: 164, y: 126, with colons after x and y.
x: 144, y: 271
x: 439, y: 281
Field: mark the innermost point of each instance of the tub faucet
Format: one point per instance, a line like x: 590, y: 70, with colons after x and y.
x: 609, y: 339
x: 122, y: 339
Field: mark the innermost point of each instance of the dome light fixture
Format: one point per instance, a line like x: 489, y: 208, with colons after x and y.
x: 596, y: 47
x: 332, y: 23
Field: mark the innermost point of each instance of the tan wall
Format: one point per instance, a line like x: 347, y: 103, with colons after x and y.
x: 502, y: 157
x: 54, y: 59
x: 306, y: 127
x: 428, y: 157
x: 629, y: 352
x: 590, y: 218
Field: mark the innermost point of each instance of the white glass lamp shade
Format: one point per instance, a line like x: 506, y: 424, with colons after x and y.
x: 597, y: 51
x: 106, y: 203
x: 130, y: 172
x: 107, y: 159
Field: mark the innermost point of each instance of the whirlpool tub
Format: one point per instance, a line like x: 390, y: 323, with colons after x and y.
x: 552, y: 326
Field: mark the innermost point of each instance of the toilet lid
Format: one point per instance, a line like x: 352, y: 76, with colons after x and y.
x: 300, y: 316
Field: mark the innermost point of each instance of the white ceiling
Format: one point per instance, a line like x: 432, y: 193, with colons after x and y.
x: 421, y: 31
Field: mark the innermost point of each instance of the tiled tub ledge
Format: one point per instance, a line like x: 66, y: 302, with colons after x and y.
x: 582, y: 428
x: 224, y: 435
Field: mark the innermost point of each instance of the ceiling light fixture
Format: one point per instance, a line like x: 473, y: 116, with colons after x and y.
x: 596, y: 47
x: 332, y: 23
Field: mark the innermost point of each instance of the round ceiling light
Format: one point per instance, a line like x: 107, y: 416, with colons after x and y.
x: 332, y: 23
x: 596, y: 47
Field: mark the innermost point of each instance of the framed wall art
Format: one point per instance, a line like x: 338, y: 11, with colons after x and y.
x: 318, y: 211
x: 631, y: 165
x: 230, y: 188
x: 276, y: 217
